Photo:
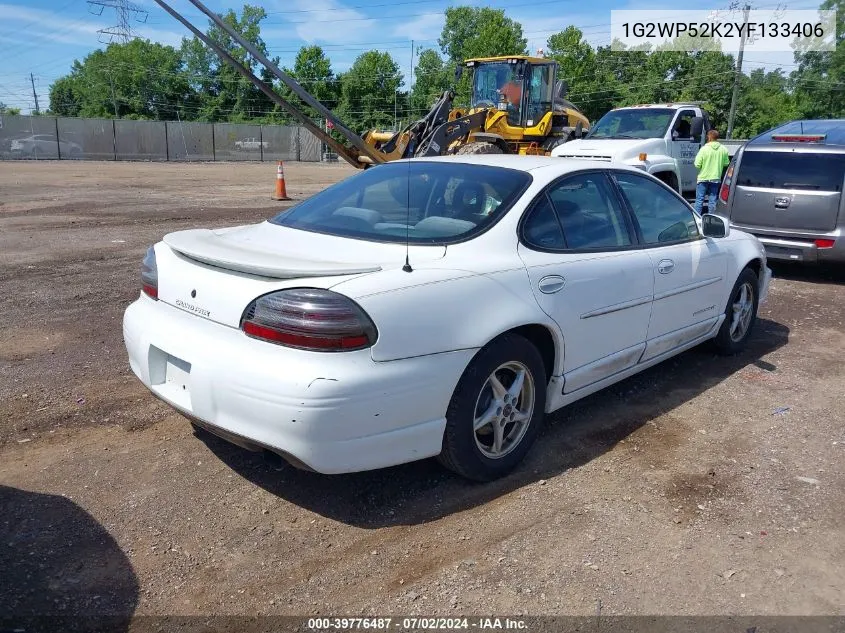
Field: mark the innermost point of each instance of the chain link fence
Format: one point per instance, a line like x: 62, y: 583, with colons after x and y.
x: 65, y: 138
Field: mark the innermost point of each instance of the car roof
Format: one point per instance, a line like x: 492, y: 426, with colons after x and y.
x: 833, y: 129
x: 521, y: 163
x: 671, y: 106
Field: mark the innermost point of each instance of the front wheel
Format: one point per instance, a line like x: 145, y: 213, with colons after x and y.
x: 496, y: 411
x: 479, y: 147
x: 740, y: 314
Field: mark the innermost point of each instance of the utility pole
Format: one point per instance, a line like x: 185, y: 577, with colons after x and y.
x: 113, y: 98
x: 122, y: 31
x: 34, y: 94
x: 411, y: 85
x: 412, y: 67
x: 735, y: 95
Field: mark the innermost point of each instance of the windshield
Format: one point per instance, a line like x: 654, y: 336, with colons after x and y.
x: 498, y: 85
x: 633, y: 123
x: 785, y: 170
x: 430, y: 202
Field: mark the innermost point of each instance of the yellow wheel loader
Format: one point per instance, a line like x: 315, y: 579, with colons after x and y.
x: 517, y: 106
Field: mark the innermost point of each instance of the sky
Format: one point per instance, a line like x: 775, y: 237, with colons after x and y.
x: 44, y: 37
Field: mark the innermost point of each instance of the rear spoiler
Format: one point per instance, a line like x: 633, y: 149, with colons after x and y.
x: 799, y: 138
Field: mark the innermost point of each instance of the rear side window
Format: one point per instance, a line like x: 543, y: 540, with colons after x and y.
x: 542, y: 229
x: 663, y: 217
x: 423, y: 202
x: 589, y: 213
x: 787, y: 170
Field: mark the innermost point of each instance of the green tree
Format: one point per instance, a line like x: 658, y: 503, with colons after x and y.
x: 431, y: 79
x: 4, y: 109
x: 223, y: 94
x: 480, y: 32
x: 370, y: 91
x: 139, y: 80
x: 313, y: 71
x: 65, y: 99
x: 591, y: 83
x: 711, y: 81
x: 819, y: 81
x: 764, y: 103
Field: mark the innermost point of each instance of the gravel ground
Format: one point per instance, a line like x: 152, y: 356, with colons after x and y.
x: 702, y: 486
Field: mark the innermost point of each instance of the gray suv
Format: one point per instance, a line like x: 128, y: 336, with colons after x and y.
x: 785, y: 187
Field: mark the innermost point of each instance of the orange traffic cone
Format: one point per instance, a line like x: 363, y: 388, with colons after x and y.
x: 281, y: 192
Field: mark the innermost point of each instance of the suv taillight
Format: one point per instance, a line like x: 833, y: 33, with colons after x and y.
x: 309, y: 318
x: 149, y: 274
x: 725, y: 191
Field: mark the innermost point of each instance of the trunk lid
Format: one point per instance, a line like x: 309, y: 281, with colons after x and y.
x: 801, y: 191
x: 215, y: 274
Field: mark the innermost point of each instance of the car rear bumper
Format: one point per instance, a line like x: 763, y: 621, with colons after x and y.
x: 798, y: 247
x: 330, y: 412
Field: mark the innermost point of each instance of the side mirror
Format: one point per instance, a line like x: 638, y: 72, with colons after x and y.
x: 697, y: 127
x: 714, y: 226
x: 579, y: 129
x: 459, y: 72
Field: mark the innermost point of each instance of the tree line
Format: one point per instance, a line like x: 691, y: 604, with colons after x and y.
x: 146, y: 80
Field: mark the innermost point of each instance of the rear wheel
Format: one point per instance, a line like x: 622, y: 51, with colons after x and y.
x: 496, y: 411
x: 480, y: 148
x: 740, y: 314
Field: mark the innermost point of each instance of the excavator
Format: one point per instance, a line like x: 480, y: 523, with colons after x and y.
x: 517, y: 106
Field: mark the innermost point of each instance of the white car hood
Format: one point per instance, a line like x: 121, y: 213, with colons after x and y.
x: 597, y: 148
x: 269, y: 250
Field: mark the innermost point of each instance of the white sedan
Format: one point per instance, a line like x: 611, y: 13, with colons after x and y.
x: 437, y: 306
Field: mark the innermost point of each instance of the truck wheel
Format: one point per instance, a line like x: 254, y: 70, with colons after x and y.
x: 740, y: 314
x: 496, y: 410
x: 560, y: 141
x: 480, y: 148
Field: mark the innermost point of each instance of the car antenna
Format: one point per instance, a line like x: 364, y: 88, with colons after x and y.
x: 407, y: 267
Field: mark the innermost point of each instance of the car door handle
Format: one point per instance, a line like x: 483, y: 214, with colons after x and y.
x: 551, y: 284
x: 665, y: 266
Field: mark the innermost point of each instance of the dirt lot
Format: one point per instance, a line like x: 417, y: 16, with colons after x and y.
x: 703, y: 486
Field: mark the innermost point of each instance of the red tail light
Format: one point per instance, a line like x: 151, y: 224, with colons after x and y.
x: 825, y: 243
x: 149, y: 274
x: 725, y: 190
x: 798, y: 138
x: 309, y: 318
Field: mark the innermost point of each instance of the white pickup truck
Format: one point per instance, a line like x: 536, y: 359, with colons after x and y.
x: 661, y: 139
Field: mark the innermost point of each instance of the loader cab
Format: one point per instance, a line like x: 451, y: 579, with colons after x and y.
x: 523, y: 87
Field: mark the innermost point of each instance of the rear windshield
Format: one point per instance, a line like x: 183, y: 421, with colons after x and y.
x: 429, y: 202
x: 787, y: 170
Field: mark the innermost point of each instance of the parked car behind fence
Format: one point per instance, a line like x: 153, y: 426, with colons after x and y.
x: 43, y: 146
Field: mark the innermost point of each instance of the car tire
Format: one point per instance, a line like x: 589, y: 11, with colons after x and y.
x: 511, y: 416
x: 740, y: 314
x: 560, y: 141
